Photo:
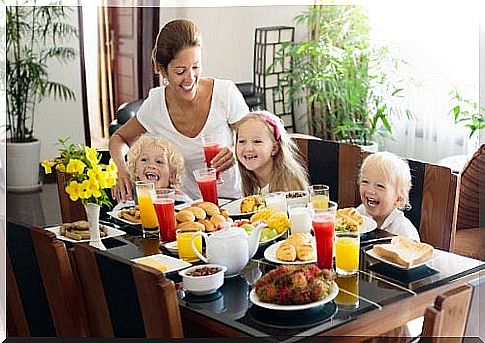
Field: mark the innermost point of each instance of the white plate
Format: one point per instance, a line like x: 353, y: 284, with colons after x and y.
x: 372, y: 254
x: 234, y: 209
x: 112, y: 232
x: 172, y: 247
x: 117, y: 209
x: 368, y: 225
x: 270, y: 254
x: 172, y: 263
x: 255, y: 300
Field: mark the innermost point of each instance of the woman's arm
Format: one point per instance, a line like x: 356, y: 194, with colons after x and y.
x: 119, y: 144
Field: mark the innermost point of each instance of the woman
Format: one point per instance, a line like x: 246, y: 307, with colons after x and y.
x: 182, y: 110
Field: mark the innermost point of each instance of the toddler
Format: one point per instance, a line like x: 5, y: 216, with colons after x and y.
x: 267, y: 157
x: 384, y: 184
x: 153, y: 158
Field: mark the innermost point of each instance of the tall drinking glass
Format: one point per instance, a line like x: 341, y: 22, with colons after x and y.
x: 323, y: 222
x: 319, y: 196
x: 347, y: 249
x: 145, y: 192
x: 211, y: 149
x: 206, y: 179
x: 300, y: 217
x: 165, y: 208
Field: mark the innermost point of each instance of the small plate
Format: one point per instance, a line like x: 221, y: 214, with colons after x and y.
x: 233, y: 208
x: 172, y: 247
x: 270, y: 254
x: 117, y: 209
x: 112, y: 232
x: 172, y: 263
x: 255, y: 300
x: 372, y: 254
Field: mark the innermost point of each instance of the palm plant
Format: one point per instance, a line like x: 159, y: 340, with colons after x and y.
x: 35, y: 36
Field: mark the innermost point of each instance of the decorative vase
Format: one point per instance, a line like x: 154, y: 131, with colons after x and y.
x: 23, y: 166
x: 92, y: 213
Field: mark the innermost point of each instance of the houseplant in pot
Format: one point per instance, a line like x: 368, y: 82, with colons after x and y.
x: 35, y: 37
x: 340, y: 76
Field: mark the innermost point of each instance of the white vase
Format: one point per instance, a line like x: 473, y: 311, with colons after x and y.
x: 92, y: 212
x: 22, y: 165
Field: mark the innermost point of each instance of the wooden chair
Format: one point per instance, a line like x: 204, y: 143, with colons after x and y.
x: 43, y: 296
x: 334, y: 164
x: 125, y: 299
x: 448, y: 317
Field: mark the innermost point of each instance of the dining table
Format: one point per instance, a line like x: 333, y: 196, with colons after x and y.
x: 378, y: 298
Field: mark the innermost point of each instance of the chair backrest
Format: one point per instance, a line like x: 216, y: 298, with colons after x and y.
x: 124, y: 299
x: 448, y: 316
x: 60, y: 283
x: 334, y: 164
x: 470, y: 196
x: 27, y: 280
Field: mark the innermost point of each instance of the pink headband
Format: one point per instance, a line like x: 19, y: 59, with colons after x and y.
x: 271, y: 121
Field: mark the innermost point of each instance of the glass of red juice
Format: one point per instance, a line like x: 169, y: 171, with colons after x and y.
x: 211, y: 149
x: 165, y: 208
x: 323, y: 223
x: 206, y: 179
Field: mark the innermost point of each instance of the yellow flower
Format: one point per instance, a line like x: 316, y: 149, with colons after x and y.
x: 111, y: 168
x: 92, y: 155
x: 92, y: 187
x: 74, y: 190
x: 61, y: 167
x: 75, y: 166
x: 48, y: 166
x: 96, y: 172
x: 86, y: 192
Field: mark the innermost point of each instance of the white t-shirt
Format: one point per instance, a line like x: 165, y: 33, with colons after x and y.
x: 395, y: 223
x: 227, y: 107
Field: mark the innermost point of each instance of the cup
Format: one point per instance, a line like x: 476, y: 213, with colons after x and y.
x: 184, y: 246
x: 206, y: 180
x: 347, y: 249
x: 276, y: 201
x: 165, y: 208
x: 211, y: 149
x: 300, y: 217
x: 319, y: 196
x: 145, y: 193
x: 323, y: 223
x: 348, y: 295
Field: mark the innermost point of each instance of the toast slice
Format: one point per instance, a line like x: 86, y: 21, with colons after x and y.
x: 404, y: 251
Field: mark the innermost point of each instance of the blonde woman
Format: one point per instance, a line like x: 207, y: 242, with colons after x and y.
x: 384, y: 184
x: 267, y: 157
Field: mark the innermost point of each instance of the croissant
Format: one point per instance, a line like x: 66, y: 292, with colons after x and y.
x: 286, y: 252
x: 305, y: 252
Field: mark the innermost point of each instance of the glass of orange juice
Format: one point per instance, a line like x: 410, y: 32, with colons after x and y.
x: 319, y: 196
x: 184, y: 246
x: 347, y: 249
x: 145, y: 193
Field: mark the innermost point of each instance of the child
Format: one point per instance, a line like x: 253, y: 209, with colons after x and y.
x: 153, y: 158
x: 384, y: 184
x: 267, y: 157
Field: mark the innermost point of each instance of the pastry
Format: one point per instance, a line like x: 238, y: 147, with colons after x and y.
x: 299, y: 238
x: 209, y: 226
x: 198, y: 212
x: 210, y: 208
x: 404, y: 251
x: 185, y: 216
x: 305, y: 252
x: 218, y: 220
x: 190, y: 226
x: 286, y: 252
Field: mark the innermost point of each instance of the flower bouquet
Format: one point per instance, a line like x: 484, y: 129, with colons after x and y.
x: 87, y: 180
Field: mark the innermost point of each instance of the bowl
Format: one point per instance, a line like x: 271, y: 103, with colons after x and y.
x: 207, y: 282
x: 297, y: 197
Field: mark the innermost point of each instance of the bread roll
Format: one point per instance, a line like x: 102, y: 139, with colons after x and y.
x: 299, y: 238
x: 224, y: 213
x: 185, y: 216
x: 210, y: 208
x: 305, y: 252
x: 286, y: 252
x: 218, y: 220
x: 190, y: 226
x: 198, y: 212
x: 404, y: 251
x: 209, y: 226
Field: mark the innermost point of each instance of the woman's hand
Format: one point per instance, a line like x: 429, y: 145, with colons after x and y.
x: 223, y: 160
x: 123, y: 190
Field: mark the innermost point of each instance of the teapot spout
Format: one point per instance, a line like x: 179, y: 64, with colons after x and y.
x: 253, y: 240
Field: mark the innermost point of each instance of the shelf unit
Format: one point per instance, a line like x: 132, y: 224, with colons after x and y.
x: 270, y: 67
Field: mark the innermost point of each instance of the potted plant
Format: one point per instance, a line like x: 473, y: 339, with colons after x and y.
x: 35, y: 36
x: 466, y: 112
x: 340, y: 75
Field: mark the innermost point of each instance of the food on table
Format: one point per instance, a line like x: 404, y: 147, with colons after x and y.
x: 348, y: 219
x: 296, y: 247
x: 150, y: 262
x: 198, y: 212
x: 190, y: 226
x: 131, y: 214
x: 185, y: 216
x: 261, y: 215
x: 252, y: 203
x: 278, y: 221
x: 209, y: 226
x: 295, y: 285
x: 266, y: 233
x: 204, y: 216
x: 79, y: 230
x: 218, y: 220
x: 210, y: 208
x: 295, y: 194
x: 204, y: 271
x: 404, y: 251
x: 224, y: 213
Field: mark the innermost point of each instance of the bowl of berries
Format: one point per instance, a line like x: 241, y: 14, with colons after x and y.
x: 203, y: 279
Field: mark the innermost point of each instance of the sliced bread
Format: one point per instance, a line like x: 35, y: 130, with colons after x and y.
x: 404, y: 251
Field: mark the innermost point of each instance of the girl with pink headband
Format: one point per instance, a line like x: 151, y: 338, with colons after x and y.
x: 267, y: 157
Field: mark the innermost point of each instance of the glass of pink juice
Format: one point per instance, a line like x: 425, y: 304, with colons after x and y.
x: 165, y: 208
x: 324, y: 226
x: 206, y: 179
x: 211, y: 149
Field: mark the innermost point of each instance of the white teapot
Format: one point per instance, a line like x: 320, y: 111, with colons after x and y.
x: 231, y: 247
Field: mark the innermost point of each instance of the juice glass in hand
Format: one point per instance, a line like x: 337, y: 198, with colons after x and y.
x: 206, y: 179
x: 211, y: 149
x: 145, y: 193
x: 323, y: 222
x: 165, y: 208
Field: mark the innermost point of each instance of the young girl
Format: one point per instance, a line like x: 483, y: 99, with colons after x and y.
x: 267, y: 157
x: 384, y: 184
x: 153, y: 158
